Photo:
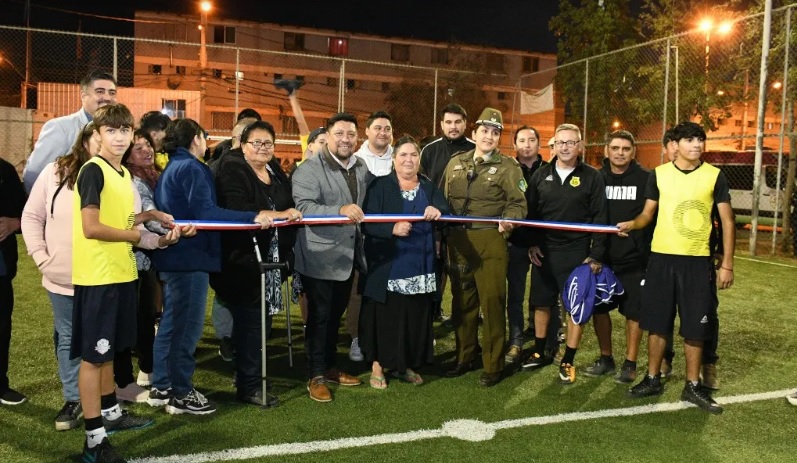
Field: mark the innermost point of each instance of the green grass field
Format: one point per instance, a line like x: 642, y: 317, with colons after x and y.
x: 757, y: 346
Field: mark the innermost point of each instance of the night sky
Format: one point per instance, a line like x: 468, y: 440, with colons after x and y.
x: 522, y: 26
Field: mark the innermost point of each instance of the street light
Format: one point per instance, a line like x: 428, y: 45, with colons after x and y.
x: 204, y: 8
x: 5, y: 60
x: 707, y: 26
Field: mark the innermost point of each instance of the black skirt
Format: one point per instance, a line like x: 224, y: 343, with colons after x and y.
x: 398, y: 334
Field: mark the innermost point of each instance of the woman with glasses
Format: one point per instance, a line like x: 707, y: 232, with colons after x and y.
x: 249, y: 180
x: 396, y: 322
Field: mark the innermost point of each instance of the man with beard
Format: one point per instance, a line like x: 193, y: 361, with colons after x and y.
x: 482, y: 182
x: 332, y: 183
x: 58, y: 135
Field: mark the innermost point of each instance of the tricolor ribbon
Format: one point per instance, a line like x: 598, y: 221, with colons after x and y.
x: 383, y: 218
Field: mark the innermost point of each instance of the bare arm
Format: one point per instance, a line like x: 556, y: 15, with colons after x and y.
x: 96, y: 230
x: 641, y: 221
x: 725, y: 272
x: 299, y: 115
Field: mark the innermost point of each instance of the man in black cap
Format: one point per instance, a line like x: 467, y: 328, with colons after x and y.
x: 482, y: 182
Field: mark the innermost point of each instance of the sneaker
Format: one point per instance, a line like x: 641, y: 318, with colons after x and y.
x: 567, y: 373
x: 256, y: 398
x: 12, y: 397
x: 101, y: 453
x: 792, y: 399
x: 355, y: 354
x: 666, y: 369
x: 289, y: 85
x: 126, y: 422
x: 627, y: 374
x: 193, y: 403
x: 226, y: 349
x: 159, y: 397
x: 513, y: 354
x: 143, y: 379
x: 700, y: 397
x: 132, y: 393
x: 602, y: 366
x: 649, y: 386
x: 708, y: 377
x: 69, y: 416
x: 536, y: 361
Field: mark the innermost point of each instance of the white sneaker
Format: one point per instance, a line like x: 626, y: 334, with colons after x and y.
x: 143, y: 379
x: 792, y: 398
x: 132, y: 393
x: 355, y: 354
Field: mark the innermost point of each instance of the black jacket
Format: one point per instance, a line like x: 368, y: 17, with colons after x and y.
x: 580, y: 199
x: 384, y: 197
x: 435, y: 156
x: 12, y: 201
x: 238, y: 188
x: 522, y: 236
x: 625, y: 199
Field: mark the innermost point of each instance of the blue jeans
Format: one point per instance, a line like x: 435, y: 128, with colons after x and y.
x: 185, y: 296
x: 62, y: 338
x: 222, y: 319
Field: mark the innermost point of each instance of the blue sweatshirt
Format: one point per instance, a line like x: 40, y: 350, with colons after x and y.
x: 186, y: 191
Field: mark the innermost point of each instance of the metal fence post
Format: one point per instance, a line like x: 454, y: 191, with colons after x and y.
x: 666, y: 95
x: 759, y: 142
x: 586, y: 102
x: 237, y: 75
x: 784, y: 89
x: 342, y: 85
x: 434, y: 111
x: 115, y: 59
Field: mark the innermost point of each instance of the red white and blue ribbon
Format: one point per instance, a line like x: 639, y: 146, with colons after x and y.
x: 392, y: 218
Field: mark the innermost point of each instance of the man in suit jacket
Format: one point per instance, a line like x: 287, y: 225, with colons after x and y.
x: 332, y: 183
x: 58, y: 135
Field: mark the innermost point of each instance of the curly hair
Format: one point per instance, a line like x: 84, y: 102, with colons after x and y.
x: 68, y: 166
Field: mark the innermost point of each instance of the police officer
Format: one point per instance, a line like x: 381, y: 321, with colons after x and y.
x: 482, y: 182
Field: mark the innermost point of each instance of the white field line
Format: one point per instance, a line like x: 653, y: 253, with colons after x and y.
x: 765, y: 262
x: 469, y: 430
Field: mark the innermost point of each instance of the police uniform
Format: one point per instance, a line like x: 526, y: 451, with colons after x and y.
x: 477, y: 253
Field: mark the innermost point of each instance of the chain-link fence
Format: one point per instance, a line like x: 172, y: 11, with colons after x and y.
x: 710, y: 76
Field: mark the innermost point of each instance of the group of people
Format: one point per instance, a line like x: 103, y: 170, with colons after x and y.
x: 120, y: 189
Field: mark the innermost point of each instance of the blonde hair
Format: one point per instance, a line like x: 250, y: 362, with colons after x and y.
x: 572, y: 127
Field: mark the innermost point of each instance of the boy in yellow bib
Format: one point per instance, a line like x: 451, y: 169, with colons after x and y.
x: 678, y: 274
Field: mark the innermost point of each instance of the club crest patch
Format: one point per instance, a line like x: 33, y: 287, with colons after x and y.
x: 103, y: 346
x: 522, y: 185
x: 492, y: 170
x: 575, y: 181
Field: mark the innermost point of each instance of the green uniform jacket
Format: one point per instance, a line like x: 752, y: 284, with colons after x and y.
x: 494, y: 188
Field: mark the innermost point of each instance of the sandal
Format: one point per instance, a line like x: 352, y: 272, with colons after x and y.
x: 378, y: 382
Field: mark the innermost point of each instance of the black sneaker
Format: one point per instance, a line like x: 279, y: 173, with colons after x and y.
x: 69, y: 416
x: 602, y: 366
x: 101, y: 453
x: 649, y: 386
x: 227, y: 350
x: 289, y: 85
x: 700, y: 397
x: 126, y: 422
x: 256, y: 398
x: 627, y: 374
x: 159, y: 397
x: 12, y: 397
x: 193, y: 403
x: 536, y: 361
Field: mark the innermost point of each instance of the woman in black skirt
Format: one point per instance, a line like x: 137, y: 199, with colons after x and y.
x: 396, y: 322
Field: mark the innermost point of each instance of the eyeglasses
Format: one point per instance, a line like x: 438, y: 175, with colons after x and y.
x: 569, y: 143
x: 257, y: 144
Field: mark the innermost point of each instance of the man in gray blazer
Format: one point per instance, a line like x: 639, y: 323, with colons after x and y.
x: 58, y: 135
x: 332, y: 184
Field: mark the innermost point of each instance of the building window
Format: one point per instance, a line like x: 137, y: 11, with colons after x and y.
x: 222, y: 120
x: 439, y: 56
x: 332, y: 82
x: 502, y: 95
x: 495, y: 63
x: 737, y: 123
x: 173, y: 108
x: 223, y: 34
x: 351, y: 84
x: 400, y: 52
x: 338, y: 46
x: 155, y: 68
x: 217, y: 73
x: 385, y: 86
x: 180, y: 70
x: 289, y: 124
x: 293, y: 41
x: 751, y: 124
x: 531, y: 64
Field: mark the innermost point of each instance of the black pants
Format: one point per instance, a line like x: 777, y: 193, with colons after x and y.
x: 710, y: 355
x: 326, y: 302
x: 147, y: 313
x: 6, y: 308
